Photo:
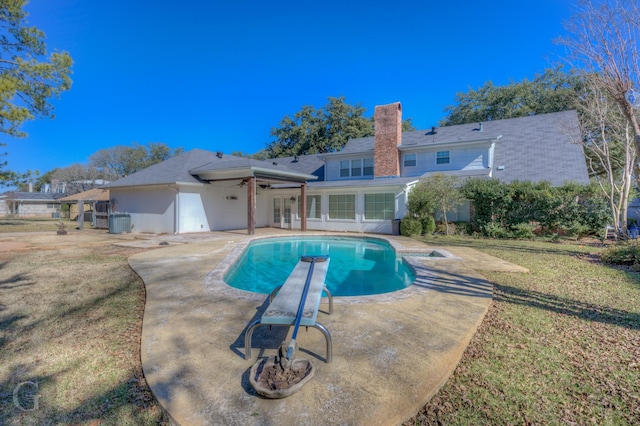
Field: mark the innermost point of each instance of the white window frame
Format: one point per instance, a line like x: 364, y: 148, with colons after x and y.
x: 443, y: 157
x: 356, y: 168
x: 354, y: 200
x: 410, y: 158
x: 392, y: 205
x: 345, y: 171
x: 367, y: 167
x: 318, y: 198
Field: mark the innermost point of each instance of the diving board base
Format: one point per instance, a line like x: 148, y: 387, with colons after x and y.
x: 256, y: 324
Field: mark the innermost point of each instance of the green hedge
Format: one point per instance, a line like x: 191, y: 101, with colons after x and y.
x: 410, y: 227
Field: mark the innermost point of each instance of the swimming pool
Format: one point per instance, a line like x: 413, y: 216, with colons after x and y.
x: 359, y: 266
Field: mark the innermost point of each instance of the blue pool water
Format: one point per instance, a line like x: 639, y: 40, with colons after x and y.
x: 359, y: 266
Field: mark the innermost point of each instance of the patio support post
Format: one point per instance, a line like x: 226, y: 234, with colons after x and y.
x: 80, y: 214
x: 251, y: 205
x: 303, y: 207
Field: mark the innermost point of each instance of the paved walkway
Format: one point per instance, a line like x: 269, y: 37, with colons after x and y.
x: 390, y: 354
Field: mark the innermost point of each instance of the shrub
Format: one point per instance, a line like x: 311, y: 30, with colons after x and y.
x: 578, y: 230
x: 577, y: 209
x: 627, y: 253
x: 495, y: 230
x: 410, y: 227
x: 463, y: 228
x: 524, y: 231
x: 428, y: 225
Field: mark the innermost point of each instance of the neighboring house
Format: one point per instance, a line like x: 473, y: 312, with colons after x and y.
x: 362, y: 188
x: 30, y: 204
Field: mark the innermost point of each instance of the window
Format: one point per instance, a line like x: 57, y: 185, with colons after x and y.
x: 379, y: 206
x: 356, y: 167
x: 276, y: 210
x: 344, y: 168
x: 442, y: 157
x: 342, y: 206
x: 313, y: 207
x: 410, y: 160
x: 367, y: 169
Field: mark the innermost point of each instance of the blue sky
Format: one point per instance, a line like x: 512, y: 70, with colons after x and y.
x: 220, y: 75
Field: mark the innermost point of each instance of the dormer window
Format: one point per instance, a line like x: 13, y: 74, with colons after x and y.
x: 344, y: 168
x: 410, y: 160
x: 356, y: 168
x: 367, y: 169
x: 443, y: 157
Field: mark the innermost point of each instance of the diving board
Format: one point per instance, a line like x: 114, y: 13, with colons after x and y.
x: 285, y: 302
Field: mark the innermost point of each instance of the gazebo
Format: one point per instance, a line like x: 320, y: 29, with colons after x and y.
x: 93, y: 203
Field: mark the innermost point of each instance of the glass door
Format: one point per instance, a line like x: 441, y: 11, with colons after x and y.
x: 281, y: 212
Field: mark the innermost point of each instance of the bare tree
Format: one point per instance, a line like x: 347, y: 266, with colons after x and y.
x: 76, y: 178
x: 607, y: 140
x: 604, y: 40
x: 119, y: 161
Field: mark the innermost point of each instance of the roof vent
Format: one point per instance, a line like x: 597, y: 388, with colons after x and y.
x: 481, y: 127
x: 219, y: 154
x: 275, y: 163
x: 295, y: 159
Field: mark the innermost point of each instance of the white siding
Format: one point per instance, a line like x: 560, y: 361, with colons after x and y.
x: 468, y: 157
x: 332, y: 170
x: 151, y: 209
x: 215, y: 207
x: 226, y: 203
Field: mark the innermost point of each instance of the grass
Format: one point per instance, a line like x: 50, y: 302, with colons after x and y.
x: 560, y: 345
x: 70, y: 321
x: 16, y: 224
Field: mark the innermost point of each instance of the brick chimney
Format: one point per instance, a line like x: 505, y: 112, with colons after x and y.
x: 388, y: 135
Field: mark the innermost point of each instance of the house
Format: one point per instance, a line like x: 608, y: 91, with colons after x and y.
x: 362, y: 188
x: 30, y: 204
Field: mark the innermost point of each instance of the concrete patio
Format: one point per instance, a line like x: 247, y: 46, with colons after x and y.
x: 391, y: 353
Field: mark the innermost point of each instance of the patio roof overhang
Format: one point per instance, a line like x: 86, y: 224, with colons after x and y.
x: 259, y: 173
x: 253, y: 176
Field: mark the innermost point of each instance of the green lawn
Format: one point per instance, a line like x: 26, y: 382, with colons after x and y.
x: 560, y: 345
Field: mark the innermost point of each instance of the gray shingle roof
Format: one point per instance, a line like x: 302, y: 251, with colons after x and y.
x: 184, y: 169
x: 308, y: 164
x: 540, y: 148
x: 175, y: 169
x: 33, y: 196
x: 534, y: 148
